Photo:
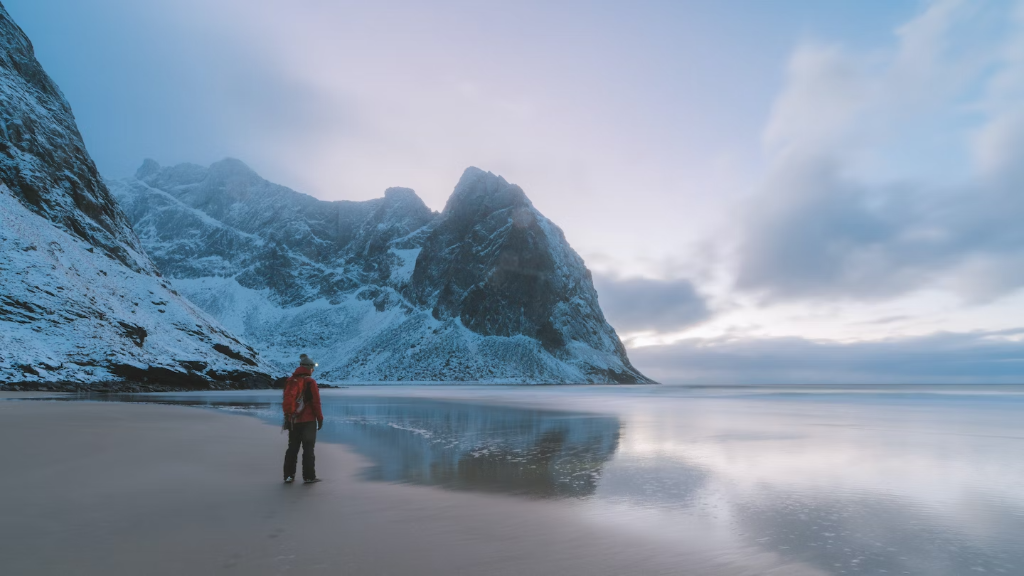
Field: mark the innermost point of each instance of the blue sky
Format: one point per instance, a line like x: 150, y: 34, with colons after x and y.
x: 749, y: 180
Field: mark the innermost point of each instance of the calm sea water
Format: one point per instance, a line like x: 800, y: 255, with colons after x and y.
x: 881, y: 480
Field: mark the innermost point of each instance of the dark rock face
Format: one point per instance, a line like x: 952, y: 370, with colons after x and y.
x: 79, y: 299
x: 382, y: 290
x: 43, y: 160
x: 503, y: 269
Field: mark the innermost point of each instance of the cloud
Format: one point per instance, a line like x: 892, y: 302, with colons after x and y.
x: 962, y: 358
x: 999, y: 144
x: 642, y: 304
x: 824, y: 225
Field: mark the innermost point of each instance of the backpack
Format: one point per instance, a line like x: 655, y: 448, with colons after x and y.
x: 294, y: 401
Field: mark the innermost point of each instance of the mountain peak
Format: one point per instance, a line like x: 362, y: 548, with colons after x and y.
x: 232, y: 168
x: 473, y: 176
x: 400, y: 194
x: 148, y: 168
x: 17, y: 53
x: 488, y: 290
x: 404, y: 202
x: 479, y: 193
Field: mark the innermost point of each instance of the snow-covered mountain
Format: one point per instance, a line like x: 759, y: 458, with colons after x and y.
x: 80, y: 302
x: 487, y: 290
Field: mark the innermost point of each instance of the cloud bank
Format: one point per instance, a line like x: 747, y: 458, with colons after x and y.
x: 642, y: 304
x: 890, y: 174
x: 948, y: 358
x: 832, y: 221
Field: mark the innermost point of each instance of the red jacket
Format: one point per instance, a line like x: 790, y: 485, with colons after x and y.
x: 311, y: 411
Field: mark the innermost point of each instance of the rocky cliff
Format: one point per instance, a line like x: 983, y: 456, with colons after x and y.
x: 487, y: 290
x: 80, y: 302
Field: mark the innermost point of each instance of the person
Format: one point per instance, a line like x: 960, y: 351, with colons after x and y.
x: 303, y: 417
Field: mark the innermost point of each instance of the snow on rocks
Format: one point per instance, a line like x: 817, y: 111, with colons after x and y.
x: 81, y: 304
x: 383, y: 290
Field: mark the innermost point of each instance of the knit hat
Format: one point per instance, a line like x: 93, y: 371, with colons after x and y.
x: 306, y: 361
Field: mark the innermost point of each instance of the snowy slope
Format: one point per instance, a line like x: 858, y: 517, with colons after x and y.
x: 80, y: 302
x: 382, y: 290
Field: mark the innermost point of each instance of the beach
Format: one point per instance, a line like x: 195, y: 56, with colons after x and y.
x: 518, y: 480
x: 105, y: 488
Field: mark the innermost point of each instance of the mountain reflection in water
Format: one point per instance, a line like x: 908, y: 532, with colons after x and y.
x: 476, y: 447
x: 805, y: 481
x: 454, y: 445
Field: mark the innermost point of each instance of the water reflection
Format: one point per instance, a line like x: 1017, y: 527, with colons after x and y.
x: 857, y: 484
x: 476, y: 447
x: 455, y: 445
x: 874, y: 534
x: 829, y: 482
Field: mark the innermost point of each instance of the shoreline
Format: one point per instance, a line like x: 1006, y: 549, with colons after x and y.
x: 140, y: 488
x: 122, y: 387
x: 138, y: 387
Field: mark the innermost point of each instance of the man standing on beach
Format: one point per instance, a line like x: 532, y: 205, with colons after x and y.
x: 303, y: 417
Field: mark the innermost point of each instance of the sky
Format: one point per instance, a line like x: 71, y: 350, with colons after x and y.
x: 766, y: 192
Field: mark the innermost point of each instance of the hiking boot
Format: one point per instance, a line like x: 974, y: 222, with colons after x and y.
x: 311, y: 481
x: 289, y: 480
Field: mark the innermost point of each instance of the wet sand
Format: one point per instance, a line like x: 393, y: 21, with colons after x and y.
x: 98, y: 488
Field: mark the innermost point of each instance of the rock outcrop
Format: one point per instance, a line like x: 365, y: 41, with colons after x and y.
x: 81, y: 304
x: 488, y: 290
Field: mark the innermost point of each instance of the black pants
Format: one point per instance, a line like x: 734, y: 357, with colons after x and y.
x: 304, y: 434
